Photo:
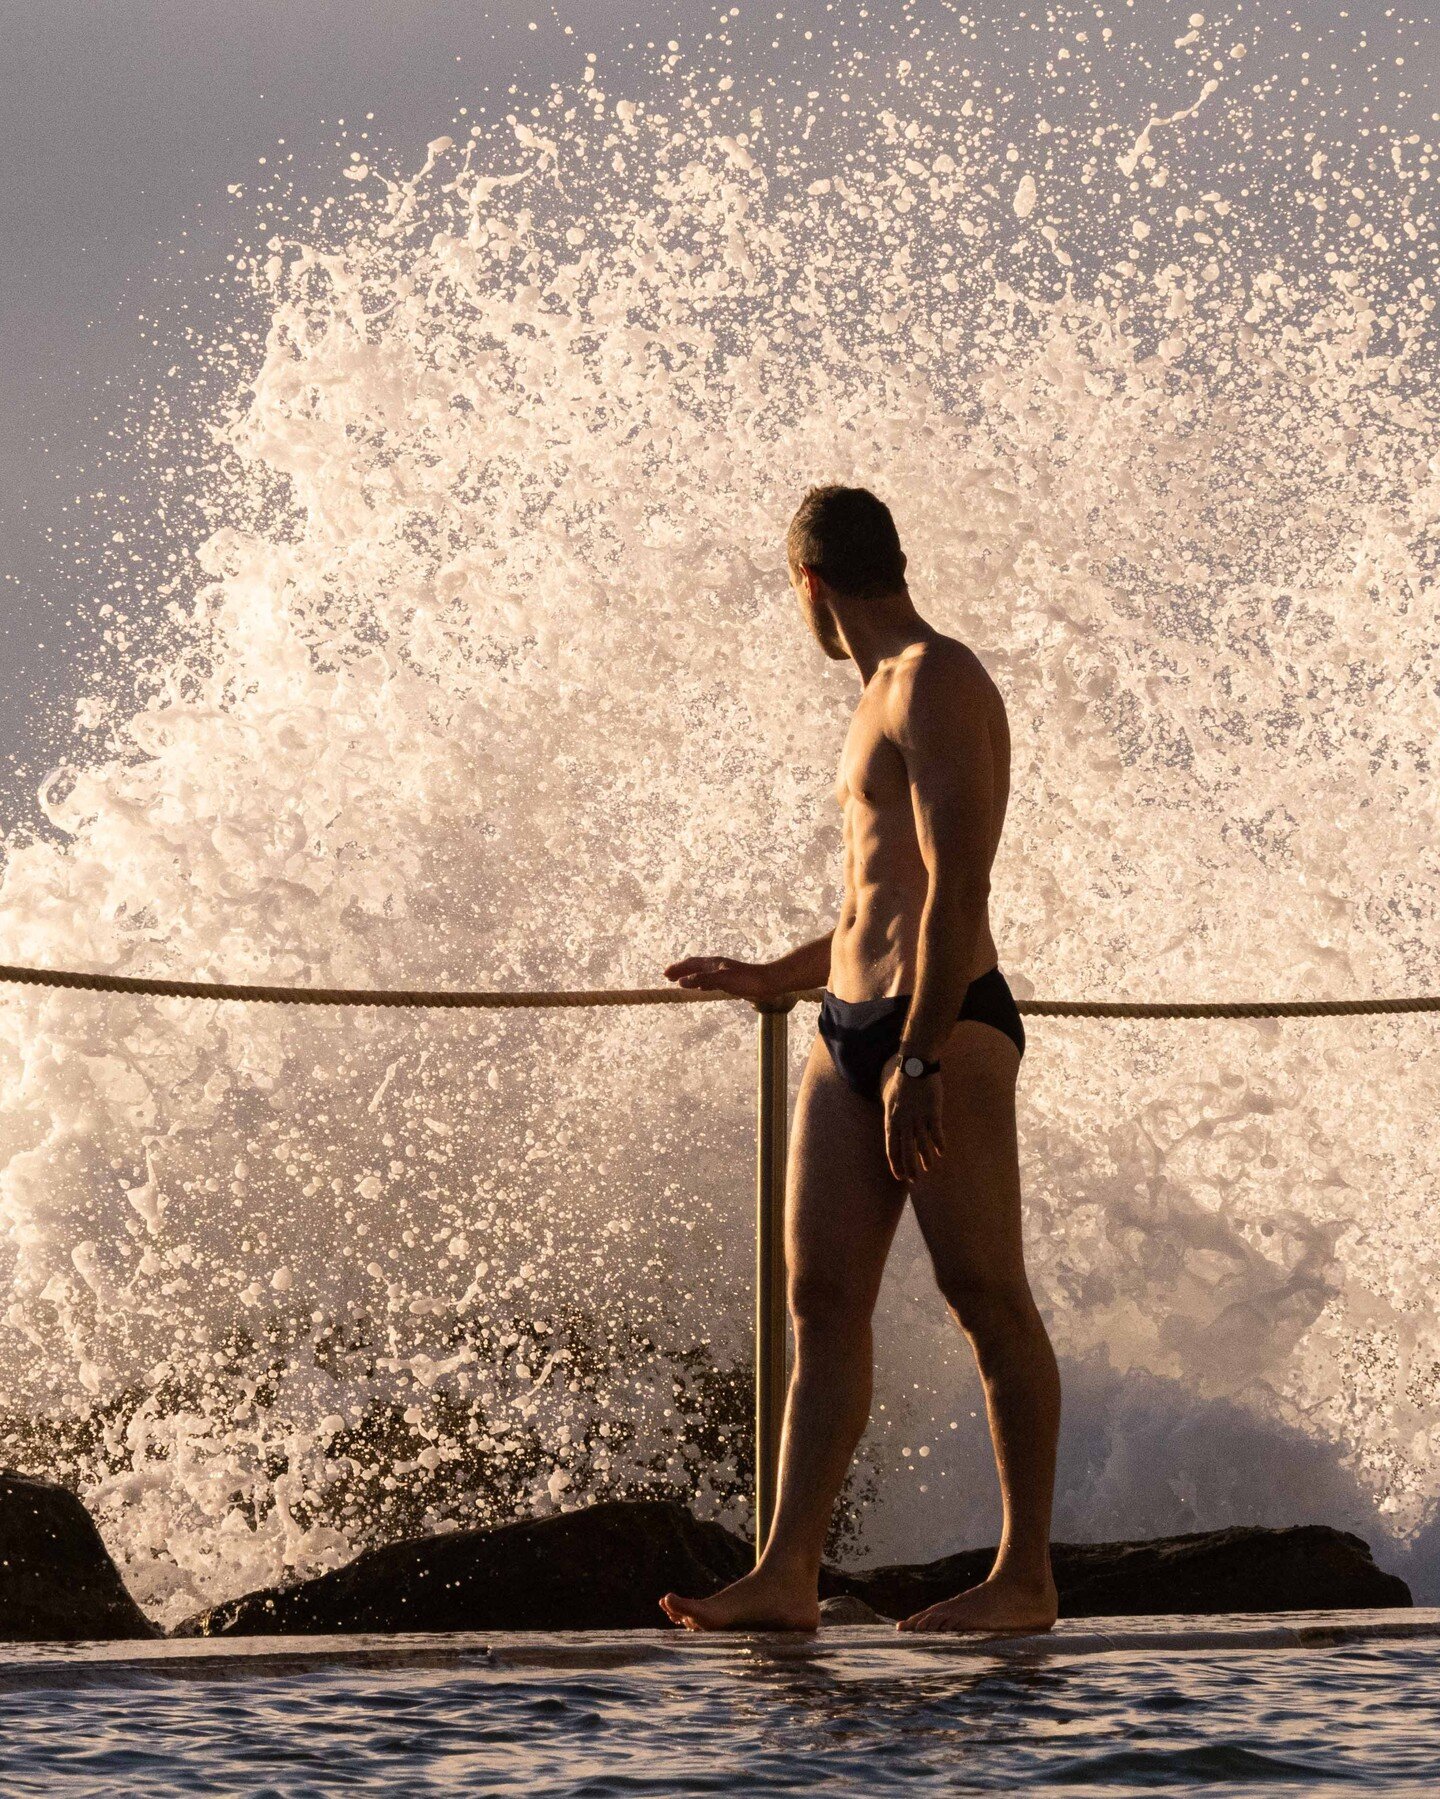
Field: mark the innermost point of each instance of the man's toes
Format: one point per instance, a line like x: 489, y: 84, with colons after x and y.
x: 681, y: 1611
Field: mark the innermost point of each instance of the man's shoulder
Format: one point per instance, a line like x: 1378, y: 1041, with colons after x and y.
x: 939, y: 671
x: 940, y: 689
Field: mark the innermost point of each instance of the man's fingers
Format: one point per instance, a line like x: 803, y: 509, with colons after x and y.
x: 924, y: 1146
x: 904, y: 1149
x: 892, y: 1148
x: 694, y: 971
x: 908, y: 1151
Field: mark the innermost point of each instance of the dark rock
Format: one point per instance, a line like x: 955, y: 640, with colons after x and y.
x: 57, y: 1582
x: 1308, y: 1567
x: 603, y: 1568
x: 850, y: 1608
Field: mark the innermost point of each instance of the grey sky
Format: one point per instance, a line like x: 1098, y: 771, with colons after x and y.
x: 121, y: 124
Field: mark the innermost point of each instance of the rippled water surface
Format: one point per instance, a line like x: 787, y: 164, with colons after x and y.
x: 855, y: 1712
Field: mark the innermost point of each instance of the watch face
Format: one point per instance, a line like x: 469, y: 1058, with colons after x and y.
x: 914, y: 1067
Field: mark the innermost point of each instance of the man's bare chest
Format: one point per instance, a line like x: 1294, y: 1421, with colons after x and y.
x: 872, y: 770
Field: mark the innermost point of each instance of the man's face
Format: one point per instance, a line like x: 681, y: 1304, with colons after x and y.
x: 811, y: 592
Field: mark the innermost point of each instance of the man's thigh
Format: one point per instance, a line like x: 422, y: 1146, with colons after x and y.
x: 842, y: 1203
x: 968, y: 1205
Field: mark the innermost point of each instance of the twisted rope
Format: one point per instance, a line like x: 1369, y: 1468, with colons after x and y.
x: 668, y: 996
x: 1278, y: 1008
x: 348, y: 996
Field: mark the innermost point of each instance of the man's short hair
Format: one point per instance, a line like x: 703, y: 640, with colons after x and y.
x: 849, y: 538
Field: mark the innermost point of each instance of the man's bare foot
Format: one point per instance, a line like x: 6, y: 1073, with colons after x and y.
x: 763, y: 1600
x: 997, y: 1604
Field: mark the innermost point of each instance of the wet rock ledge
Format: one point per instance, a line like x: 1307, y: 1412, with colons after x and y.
x: 57, y: 1582
x: 604, y: 1568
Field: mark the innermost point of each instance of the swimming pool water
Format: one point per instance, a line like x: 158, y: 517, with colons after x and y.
x: 854, y: 1711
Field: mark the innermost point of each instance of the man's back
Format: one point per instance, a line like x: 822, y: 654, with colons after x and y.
x: 937, y: 685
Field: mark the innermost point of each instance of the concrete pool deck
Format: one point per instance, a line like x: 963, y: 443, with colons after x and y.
x: 844, y: 1647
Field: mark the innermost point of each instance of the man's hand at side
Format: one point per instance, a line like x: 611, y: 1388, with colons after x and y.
x: 914, y: 1128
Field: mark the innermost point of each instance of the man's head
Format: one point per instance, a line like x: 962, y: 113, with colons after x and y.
x: 843, y: 551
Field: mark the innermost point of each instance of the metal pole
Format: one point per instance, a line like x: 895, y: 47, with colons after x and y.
x: 772, y: 1130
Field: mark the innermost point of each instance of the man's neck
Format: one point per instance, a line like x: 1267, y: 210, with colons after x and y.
x: 874, y: 630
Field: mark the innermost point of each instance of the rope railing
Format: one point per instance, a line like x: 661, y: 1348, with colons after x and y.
x: 521, y: 999
x: 162, y: 988
x: 1243, y: 1008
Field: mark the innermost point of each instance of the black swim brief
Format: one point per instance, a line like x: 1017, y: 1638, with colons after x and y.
x: 863, y: 1034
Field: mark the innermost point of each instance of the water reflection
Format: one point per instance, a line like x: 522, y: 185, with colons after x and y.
x: 756, y: 1716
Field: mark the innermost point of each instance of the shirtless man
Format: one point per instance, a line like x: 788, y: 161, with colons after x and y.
x: 909, y: 1089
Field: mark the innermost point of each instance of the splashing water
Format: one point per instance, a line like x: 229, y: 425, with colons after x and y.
x: 491, y: 676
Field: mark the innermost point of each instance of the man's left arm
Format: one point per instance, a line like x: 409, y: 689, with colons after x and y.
x: 943, y: 733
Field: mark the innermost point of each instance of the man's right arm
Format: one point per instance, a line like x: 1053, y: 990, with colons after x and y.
x: 795, y: 972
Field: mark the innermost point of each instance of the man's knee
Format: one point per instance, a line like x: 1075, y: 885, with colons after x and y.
x: 988, y: 1307
x: 822, y: 1301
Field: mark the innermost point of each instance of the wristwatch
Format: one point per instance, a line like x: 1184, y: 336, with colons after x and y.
x: 917, y: 1067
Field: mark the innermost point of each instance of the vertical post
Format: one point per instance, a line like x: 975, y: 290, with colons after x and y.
x: 772, y: 1122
